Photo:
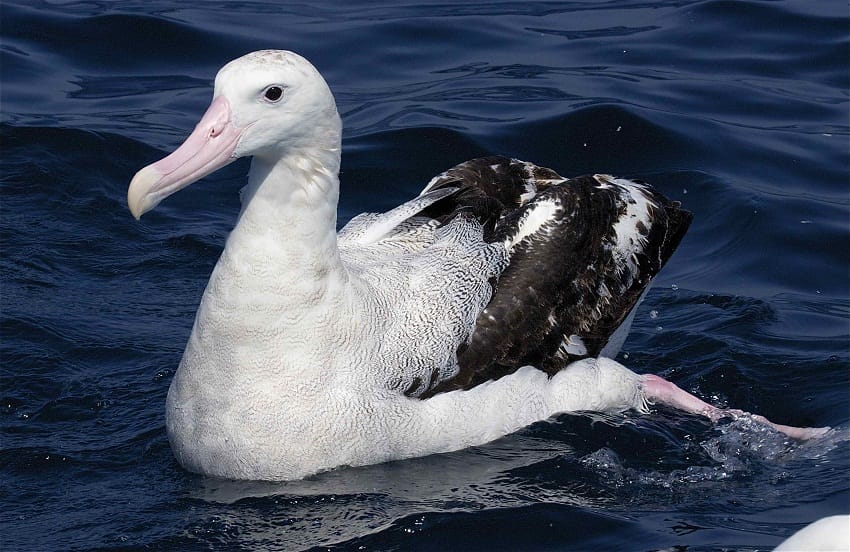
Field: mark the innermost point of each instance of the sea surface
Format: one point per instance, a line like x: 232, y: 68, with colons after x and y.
x: 739, y: 109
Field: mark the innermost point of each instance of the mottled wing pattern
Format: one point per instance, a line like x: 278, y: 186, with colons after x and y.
x: 582, y: 251
x: 490, y: 188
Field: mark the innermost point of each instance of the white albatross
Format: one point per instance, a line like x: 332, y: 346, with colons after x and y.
x: 475, y: 309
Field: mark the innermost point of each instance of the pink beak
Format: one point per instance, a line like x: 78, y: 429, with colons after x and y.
x: 209, y: 147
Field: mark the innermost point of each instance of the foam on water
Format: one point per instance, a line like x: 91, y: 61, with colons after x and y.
x: 739, y: 447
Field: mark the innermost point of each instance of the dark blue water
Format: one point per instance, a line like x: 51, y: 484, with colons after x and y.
x: 737, y: 108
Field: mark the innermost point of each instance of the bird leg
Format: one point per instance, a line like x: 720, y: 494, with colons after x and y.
x: 660, y: 391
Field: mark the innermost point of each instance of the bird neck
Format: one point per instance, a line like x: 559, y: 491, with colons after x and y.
x: 285, y: 238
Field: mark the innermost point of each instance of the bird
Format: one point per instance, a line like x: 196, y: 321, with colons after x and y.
x: 496, y: 298
x: 831, y: 533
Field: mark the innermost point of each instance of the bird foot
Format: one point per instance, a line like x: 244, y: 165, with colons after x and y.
x: 660, y: 391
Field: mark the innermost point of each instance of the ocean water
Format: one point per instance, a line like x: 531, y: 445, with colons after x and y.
x: 739, y: 109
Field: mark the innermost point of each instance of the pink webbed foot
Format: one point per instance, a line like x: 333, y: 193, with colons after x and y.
x: 660, y: 391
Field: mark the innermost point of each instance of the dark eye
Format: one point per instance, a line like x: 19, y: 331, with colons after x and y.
x: 273, y: 93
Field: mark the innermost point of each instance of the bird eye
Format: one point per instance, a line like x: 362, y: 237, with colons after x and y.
x: 273, y: 93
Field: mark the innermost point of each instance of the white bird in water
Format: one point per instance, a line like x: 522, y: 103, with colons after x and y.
x: 492, y: 300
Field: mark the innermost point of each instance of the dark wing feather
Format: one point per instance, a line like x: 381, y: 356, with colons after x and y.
x: 572, y: 279
x: 491, y: 188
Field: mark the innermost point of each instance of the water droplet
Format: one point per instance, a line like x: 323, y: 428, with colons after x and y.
x: 674, y: 287
x: 684, y: 190
x: 653, y: 314
x: 659, y: 328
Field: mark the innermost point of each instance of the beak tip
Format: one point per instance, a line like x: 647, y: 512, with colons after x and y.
x: 140, y: 198
x: 134, y: 208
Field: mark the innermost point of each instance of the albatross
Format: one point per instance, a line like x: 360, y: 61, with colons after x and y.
x: 494, y: 299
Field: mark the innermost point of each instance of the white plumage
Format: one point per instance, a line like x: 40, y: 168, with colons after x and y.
x: 312, y: 350
x: 829, y: 534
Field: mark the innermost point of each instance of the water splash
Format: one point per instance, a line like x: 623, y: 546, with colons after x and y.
x: 738, y: 447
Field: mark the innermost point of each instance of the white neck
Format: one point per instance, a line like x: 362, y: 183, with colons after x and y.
x: 285, y: 237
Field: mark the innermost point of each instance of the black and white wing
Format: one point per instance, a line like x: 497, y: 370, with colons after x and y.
x: 582, y: 252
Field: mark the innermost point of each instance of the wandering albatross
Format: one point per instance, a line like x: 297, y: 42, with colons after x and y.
x: 492, y: 300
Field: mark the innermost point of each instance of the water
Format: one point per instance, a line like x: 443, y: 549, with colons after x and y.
x: 738, y: 109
